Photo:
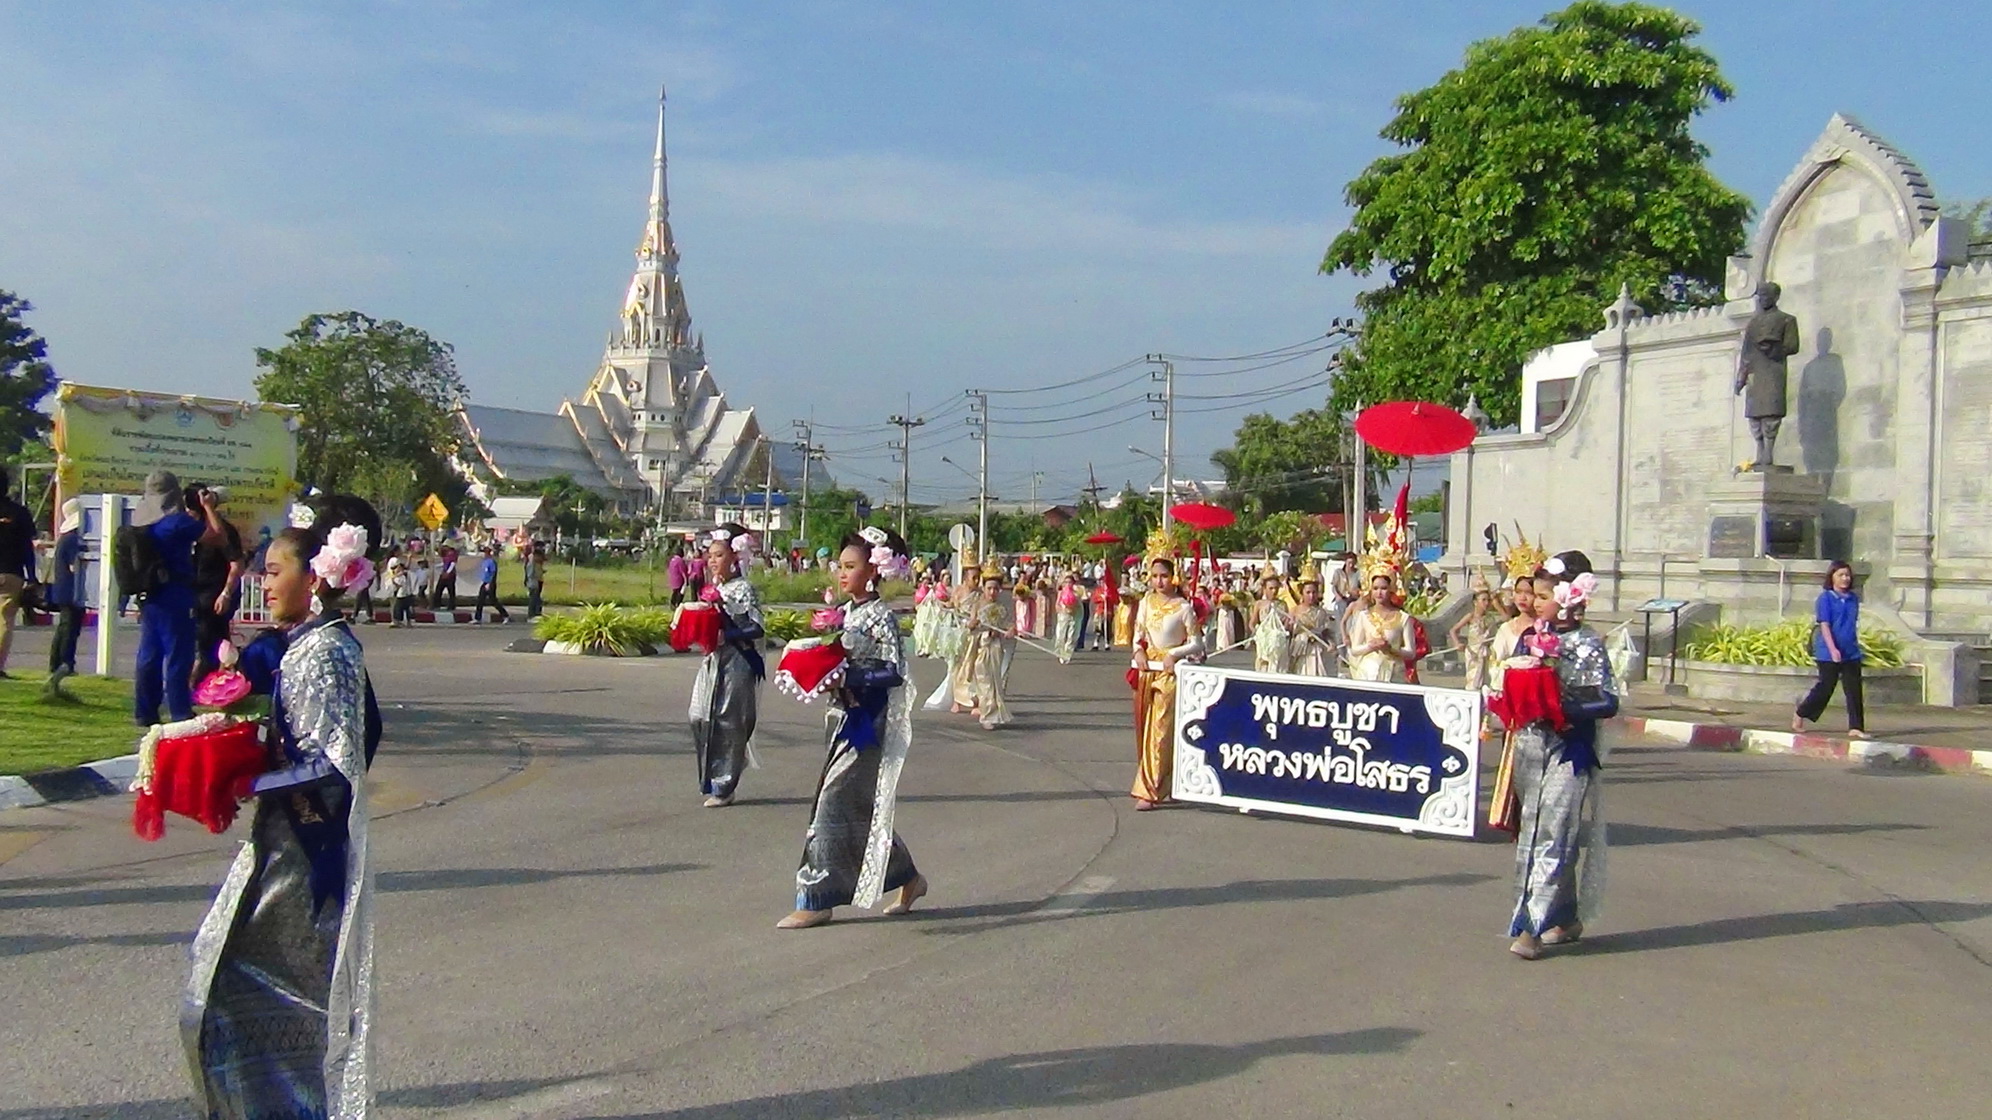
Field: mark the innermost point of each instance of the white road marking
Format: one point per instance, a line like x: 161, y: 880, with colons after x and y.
x: 1077, y: 895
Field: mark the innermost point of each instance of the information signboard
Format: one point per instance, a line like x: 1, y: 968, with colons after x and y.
x: 1402, y: 756
x: 108, y: 440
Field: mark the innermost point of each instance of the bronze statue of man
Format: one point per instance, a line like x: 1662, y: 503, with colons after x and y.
x: 1770, y: 337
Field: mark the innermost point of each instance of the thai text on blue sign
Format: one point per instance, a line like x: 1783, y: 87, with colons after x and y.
x: 1404, y: 756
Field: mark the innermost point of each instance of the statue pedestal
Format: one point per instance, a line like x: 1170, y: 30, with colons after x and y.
x: 1765, y: 513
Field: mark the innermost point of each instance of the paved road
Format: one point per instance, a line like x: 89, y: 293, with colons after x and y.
x: 565, y: 933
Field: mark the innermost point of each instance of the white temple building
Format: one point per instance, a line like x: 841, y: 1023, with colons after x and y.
x: 652, y: 430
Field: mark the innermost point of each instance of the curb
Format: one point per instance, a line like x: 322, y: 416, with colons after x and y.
x: 76, y: 783
x: 1721, y: 737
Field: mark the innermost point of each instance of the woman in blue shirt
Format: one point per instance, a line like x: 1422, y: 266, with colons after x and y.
x: 65, y: 594
x: 1836, y: 646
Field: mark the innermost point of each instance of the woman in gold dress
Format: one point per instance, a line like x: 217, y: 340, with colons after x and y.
x: 1165, y: 633
x: 1380, y: 635
x: 1272, y: 632
x: 1314, y: 628
x: 979, y: 675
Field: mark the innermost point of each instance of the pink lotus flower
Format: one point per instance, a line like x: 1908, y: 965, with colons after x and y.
x: 826, y: 620
x: 710, y: 594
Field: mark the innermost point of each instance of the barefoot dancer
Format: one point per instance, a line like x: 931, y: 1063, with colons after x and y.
x: 851, y: 854
x: 724, y: 701
x: 277, y: 1013
x: 1165, y: 632
x: 1560, y: 846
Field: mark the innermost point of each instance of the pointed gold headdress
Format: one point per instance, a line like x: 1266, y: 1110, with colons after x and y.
x: 1163, y: 544
x: 1385, y: 555
x: 1522, y: 558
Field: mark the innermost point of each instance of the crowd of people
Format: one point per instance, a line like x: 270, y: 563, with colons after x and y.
x: 279, y: 1009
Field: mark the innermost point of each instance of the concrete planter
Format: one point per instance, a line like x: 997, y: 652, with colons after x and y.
x: 1776, y: 684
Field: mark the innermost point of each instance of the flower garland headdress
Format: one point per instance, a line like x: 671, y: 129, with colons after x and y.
x: 888, y: 561
x: 744, y: 545
x: 342, y: 563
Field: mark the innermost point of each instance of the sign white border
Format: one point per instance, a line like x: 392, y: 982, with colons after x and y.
x: 1453, y: 811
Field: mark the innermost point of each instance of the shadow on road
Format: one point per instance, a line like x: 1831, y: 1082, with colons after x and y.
x: 1758, y: 927
x: 1050, y: 1079
x: 435, y: 879
x: 444, y: 879
x: 1002, y: 914
x: 1627, y: 835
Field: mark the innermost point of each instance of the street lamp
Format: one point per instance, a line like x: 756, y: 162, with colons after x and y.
x: 1168, y: 484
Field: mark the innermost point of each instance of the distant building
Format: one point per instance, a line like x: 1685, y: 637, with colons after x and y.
x: 652, y: 430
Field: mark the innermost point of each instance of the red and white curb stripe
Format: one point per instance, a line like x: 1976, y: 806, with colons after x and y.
x: 1719, y: 737
x: 92, y: 779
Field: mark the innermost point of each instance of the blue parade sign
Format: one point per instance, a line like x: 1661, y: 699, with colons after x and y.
x: 1402, y: 756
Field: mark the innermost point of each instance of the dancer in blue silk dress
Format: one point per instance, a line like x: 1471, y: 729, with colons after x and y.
x: 1560, y: 844
x: 851, y: 854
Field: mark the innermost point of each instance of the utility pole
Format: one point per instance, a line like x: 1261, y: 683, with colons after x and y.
x: 767, y: 493
x: 1167, y: 414
x: 806, y: 443
x: 1036, y: 477
x: 1093, y: 487
x: 978, y: 422
x: 905, y: 449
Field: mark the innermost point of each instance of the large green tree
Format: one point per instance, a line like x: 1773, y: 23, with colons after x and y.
x: 1301, y: 463
x: 377, y: 399
x: 25, y: 378
x: 1550, y: 168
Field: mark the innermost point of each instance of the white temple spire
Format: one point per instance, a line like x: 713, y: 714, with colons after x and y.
x: 657, y: 240
x: 660, y: 206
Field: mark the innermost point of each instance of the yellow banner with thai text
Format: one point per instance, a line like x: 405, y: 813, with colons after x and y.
x: 108, y: 440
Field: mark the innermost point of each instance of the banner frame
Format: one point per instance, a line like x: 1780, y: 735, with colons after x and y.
x: 1195, y: 776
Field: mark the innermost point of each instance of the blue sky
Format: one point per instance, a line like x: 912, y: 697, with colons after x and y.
x: 872, y: 200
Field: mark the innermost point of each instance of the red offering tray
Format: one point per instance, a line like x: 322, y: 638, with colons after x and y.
x: 809, y: 668
x: 696, y: 627
x: 1528, y: 696
x: 197, y: 776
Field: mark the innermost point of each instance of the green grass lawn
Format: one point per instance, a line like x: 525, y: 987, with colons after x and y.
x: 40, y: 735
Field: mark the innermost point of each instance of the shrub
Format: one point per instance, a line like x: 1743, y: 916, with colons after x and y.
x: 608, y: 628
x: 785, y: 625
x: 1787, y: 643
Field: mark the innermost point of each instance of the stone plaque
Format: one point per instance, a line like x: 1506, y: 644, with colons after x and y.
x: 1789, y: 538
x: 1732, y: 538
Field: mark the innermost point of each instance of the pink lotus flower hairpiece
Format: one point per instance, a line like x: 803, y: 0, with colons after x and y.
x: 1577, y: 591
x: 343, y: 562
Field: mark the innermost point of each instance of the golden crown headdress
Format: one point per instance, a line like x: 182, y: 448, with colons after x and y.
x: 1309, y: 573
x: 1163, y: 544
x: 1384, y: 555
x: 1522, y: 558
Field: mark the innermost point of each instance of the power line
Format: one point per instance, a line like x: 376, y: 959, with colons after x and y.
x: 1135, y: 380
x: 1129, y: 364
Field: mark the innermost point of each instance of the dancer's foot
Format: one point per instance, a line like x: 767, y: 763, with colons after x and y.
x: 1857, y: 733
x: 1142, y: 804
x: 718, y: 802
x: 908, y: 895
x: 803, y: 919
x: 1528, y: 947
x: 1798, y: 724
x: 1564, y: 935
x: 954, y: 709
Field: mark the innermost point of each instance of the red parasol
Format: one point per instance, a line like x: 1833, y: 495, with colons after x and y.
x: 1202, y: 515
x: 1103, y: 537
x: 1414, y: 428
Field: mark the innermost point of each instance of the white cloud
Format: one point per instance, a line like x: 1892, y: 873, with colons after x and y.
x: 1071, y: 216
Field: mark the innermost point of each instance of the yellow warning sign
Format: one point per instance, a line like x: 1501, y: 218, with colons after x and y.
x: 432, y: 513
